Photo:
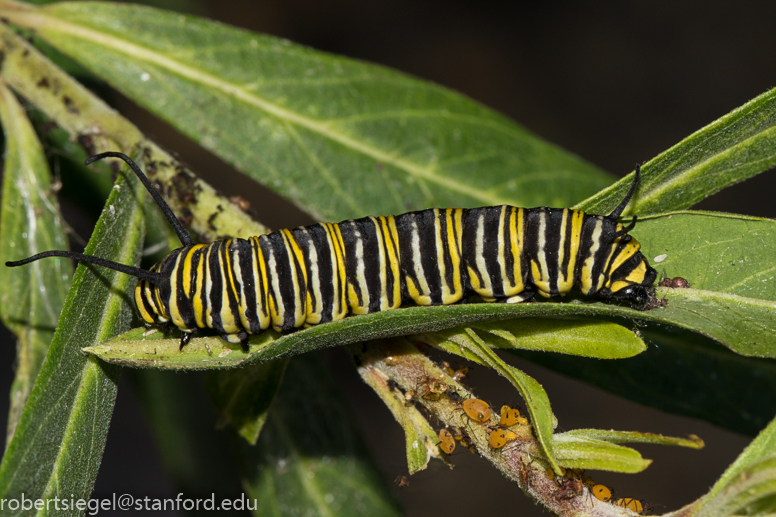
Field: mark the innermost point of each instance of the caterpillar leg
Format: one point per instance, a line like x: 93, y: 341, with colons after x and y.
x: 185, y: 337
x: 243, y: 341
x: 240, y: 337
x: 525, y: 296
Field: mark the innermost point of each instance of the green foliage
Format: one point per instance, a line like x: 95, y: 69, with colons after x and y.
x: 309, y: 118
x: 747, y: 486
x: 341, y: 138
x: 727, y: 151
x: 32, y: 297
x: 65, y: 422
x: 309, y: 460
x: 243, y: 396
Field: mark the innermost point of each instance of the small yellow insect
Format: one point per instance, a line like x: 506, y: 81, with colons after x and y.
x: 509, y: 416
x: 499, y: 438
x: 633, y: 505
x: 446, y: 441
x: 476, y: 409
x: 602, y: 493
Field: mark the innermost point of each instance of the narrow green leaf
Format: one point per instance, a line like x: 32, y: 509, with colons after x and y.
x: 684, y: 374
x: 693, y: 442
x: 747, y: 325
x: 586, y: 338
x: 763, y: 447
x: 289, y: 116
x: 729, y: 150
x: 419, y: 437
x: 752, y: 493
x: 690, y: 310
x: 471, y: 346
x: 578, y: 452
x: 310, y: 459
x: 58, y: 443
x: 31, y: 298
x: 143, y: 348
x: 748, y: 485
x: 86, y: 118
x: 243, y: 396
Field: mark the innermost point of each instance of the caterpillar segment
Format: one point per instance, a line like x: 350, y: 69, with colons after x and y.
x: 320, y: 273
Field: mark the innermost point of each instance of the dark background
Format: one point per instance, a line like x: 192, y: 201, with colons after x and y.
x: 615, y: 85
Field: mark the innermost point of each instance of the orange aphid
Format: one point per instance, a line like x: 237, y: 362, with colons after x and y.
x: 601, y: 492
x: 446, y: 441
x: 509, y: 416
x: 633, y: 505
x: 500, y: 437
x: 476, y: 409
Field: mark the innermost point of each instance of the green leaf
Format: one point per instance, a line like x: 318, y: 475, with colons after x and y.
x: 685, y: 374
x: 471, y: 346
x: 310, y: 459
x: 31, y: 297
x: 420, y: 439
x: 155, y: 351
x: 587, y: 453
x: 243, y: 396
x: 585, y: 338
x: 746, y: 325
x: 693, y: 442
x: 729, y: 150
x: 87, y: 119
x: 728, y: 261
x: 748, y: 486
x: 731, y: 254
x: 338, y: 137
x: 141, y: 348
x: 58, y: 443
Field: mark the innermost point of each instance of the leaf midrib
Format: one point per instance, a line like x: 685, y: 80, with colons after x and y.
x: 323, y: 129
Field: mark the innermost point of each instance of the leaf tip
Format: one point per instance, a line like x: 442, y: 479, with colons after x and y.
x: 697, y: 442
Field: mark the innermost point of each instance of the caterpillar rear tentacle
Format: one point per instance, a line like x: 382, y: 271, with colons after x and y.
x: 324, y: 272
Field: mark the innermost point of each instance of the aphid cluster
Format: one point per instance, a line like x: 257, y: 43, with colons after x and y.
x: 572, y: 480
x: 570, y: 484
x: 315, y: 274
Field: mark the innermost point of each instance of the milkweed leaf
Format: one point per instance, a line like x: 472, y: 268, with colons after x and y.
x: 61, y: 434
x: 87, y: 118
x: 579, y: 452
x: 748, y: 486
x: 310, y: 459
x: 31, y: 298
x: 731, y: 149
x: 244, y: 396
x: 289, y: 116
x: 421, y: 442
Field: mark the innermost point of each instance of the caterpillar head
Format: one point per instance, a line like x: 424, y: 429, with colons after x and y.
x: 631, y: 281
x: 627, y: 275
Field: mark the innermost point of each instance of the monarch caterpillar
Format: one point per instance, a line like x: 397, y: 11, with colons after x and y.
x: 315, y: 274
